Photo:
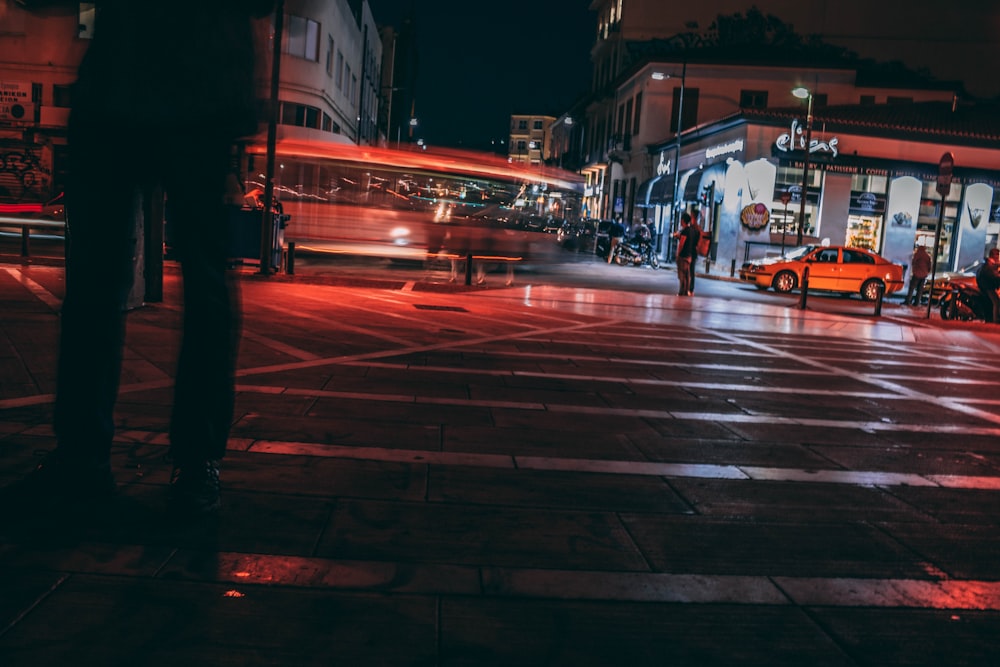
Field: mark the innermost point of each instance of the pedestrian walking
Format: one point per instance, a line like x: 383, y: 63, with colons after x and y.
x: 161, y: 96
x: 687, y: 252
x: 920, y: 267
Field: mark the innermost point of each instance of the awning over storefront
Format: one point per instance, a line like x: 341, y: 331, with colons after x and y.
x: 656, y: 191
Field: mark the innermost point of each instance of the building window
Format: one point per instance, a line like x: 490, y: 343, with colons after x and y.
x: 753, y: 99
x: 819, y: 100
x: 329, y: 55
x: 354, y: 90
x: 690, y: 118
x: 327, y: 123
x: 522, y: 125
x: 300, y: 115
x: 303, y: 38
x: 339, y: 70
x: 638, y: 110
x: 86, y: 20
x: 537, y: 125
x: 898, y: 100
x: 867, y: 100
x: 61, y: 96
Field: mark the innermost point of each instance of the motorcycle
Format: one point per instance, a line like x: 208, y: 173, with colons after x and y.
x: 636, y: 253
x: 965, y: 302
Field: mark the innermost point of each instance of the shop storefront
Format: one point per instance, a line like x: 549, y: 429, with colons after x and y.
x: 868, y: 184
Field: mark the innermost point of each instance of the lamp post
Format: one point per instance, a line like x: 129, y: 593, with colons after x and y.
x: 674, y: 211
x: 803, y: 94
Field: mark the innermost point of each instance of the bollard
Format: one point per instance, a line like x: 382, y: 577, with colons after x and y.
x: 732, y: 269
x: 880, y: 292
x: 25, y: 235
x: 468, y: 269
x: 804, y: 294
x: 290, y: 260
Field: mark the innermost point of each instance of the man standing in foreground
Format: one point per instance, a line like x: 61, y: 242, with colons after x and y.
x: 687, y: 252
x: 164, y: 91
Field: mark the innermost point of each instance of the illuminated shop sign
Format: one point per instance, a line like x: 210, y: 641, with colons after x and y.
x: 734, y: 146
x: 796, y: 140
x: 867, y: 203
x: 755, y: 216
x: 664, y: 166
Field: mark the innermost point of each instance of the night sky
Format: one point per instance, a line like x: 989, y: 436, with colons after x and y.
x: 480, y: 63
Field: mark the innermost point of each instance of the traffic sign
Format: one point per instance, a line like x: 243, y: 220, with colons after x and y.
x: 945, y: 169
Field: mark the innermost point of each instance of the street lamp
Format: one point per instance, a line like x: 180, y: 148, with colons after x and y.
x: 805, y: 94
x: 674, y: 212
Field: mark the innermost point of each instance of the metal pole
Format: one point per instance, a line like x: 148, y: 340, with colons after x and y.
x: 674, y: 211
x: 937, y: 245
x: 267, y: 223
x: 784, y: 229
x: 805, y: 171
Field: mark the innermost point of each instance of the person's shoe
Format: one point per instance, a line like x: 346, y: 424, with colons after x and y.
x: 58, y: 484
x: 195, y: 488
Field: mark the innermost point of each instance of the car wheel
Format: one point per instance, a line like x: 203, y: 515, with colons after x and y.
x: 785, y: 281
x: 947, y: 307
x: 870, y: 289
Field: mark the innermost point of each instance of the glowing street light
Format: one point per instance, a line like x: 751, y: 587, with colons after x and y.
x: 805, y: 94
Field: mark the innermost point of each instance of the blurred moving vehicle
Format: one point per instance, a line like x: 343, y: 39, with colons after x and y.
x: 53, y: 209
x: 831, y: 269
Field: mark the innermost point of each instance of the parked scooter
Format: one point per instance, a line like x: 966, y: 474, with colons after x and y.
x: 636, y: 253
x: 965, y: 302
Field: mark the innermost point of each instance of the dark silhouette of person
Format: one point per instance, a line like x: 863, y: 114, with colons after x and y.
x: 162, y: 94
x: 687, y: 252
x: 988, y: 282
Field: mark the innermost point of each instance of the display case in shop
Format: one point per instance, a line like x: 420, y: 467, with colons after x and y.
x: 862, y: 232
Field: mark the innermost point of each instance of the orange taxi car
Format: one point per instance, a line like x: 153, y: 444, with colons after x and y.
x: 831, y: 268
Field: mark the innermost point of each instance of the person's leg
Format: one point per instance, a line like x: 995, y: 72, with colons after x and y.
x: 921, y: 282
x: 204, y: 386
x: 692, y: 265
x: 909, y: 292
x: 100, y: 218
x: 683, y: 275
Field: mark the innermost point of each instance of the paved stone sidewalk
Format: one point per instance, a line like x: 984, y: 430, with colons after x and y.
x: 525, y: 476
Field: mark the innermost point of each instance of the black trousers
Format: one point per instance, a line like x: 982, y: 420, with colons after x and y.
x: 107, y: 167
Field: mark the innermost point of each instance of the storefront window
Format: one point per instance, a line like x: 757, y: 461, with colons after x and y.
x: 785, y: 217
x: 866, y: 212
x: 930, y: 211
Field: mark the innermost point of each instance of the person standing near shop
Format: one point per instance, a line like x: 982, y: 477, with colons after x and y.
x: 616, y: 234
x: 161, y: 96
x: 988, y: 281
x: 920, y: 268
x: 687, y: 252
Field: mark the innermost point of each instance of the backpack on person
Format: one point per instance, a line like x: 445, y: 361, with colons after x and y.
x: 704, y: 243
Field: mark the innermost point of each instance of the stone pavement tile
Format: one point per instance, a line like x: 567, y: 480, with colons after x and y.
x: 980, y: 444
x: 570, y: 422
x: 482, y: 535
x: 20, y: 590
x: 415, y: 383
x: 402, y: 413
x: 898, y: 458
x: 91, y: 620
x: 327, y: 377
x: 632, y: 586
x: 701, y: 429
x: 349, y: 428
x: 321, y: 573
x: 323, y: 477
x: 729, y: 546
x: 791, y: 406
x: 552, y: 489
x: 570, y: 633
x: 794, y: 501
x: 600, y: 442
x: 963, y: 551
x: 574, y: 395
x: 726, y: 452
x: 913, y: 637
x: 956, y: 505
x: 802, y: 433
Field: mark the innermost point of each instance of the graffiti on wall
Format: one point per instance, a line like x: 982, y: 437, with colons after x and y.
x: 23, y: 174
